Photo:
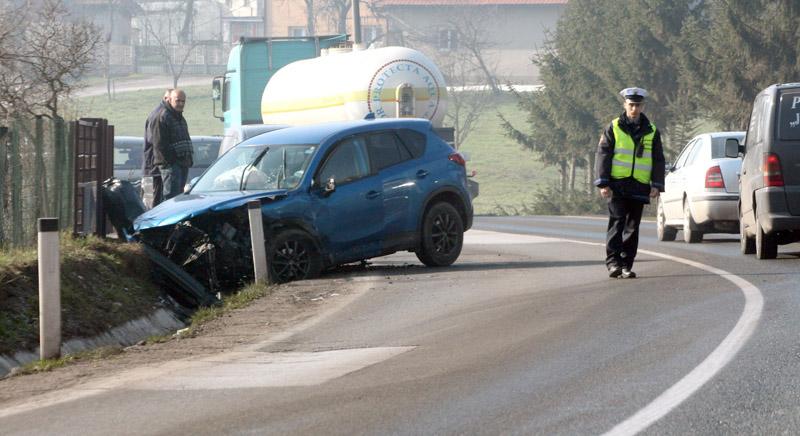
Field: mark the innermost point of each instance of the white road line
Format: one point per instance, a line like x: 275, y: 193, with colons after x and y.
x: 708, y: 368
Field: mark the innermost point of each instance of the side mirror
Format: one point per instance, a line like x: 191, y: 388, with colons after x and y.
x: 188, y: 187
x: 330, y: 186
x: 216, y: 89
x: 670, y: 167
x: 732, y: 147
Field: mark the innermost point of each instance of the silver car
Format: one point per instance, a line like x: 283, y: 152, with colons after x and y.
x: 702, y: 190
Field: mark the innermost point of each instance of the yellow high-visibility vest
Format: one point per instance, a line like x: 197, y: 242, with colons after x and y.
x: 625, y: 163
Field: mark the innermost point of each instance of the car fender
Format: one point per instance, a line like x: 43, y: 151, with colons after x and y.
x: 452, y: 194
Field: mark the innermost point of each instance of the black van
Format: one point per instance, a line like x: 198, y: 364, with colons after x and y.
x: 769, y: 184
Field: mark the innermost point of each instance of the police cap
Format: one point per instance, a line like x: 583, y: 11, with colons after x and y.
x: 633, y: 94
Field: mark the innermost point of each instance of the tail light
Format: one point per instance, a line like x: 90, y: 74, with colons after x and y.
x: 772, y: 170
x: 714, y: 178
x: 458, y: 158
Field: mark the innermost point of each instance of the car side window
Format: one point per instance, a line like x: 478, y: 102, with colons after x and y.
x: 347, y: 162
x: 684, y: 154
x: 385, y: 150
x: 414, y: 141
x: 755, y: 131
x: 698, y: 153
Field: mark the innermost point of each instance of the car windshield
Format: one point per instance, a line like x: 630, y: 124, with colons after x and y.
x: 205, y: 151
x: 257, y: 168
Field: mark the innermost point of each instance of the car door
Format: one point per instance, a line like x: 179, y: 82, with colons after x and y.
x: 751, y: 176
x: 675, y: 180
x: 350, y: 217
x: 398, y: 173
x: 694, y: 169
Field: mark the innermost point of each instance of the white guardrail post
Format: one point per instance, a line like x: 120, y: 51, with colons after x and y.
x: 49, y: 289
x: 257, y: 241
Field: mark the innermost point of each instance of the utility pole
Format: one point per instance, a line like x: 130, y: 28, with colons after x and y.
x: 356, y: 23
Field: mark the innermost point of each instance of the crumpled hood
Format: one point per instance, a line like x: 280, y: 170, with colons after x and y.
x: 186, y: 206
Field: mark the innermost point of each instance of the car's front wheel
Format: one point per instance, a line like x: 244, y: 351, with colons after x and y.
x: 442, y: 235
x: 293, y: 256
x: 663, y: 231
x: 690, y: 232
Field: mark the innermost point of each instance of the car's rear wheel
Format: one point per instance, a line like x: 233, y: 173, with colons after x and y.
x: 663, y: 231
x: 293, y: 256
x: 766, y: 247
x: 746, y: 244
x: 442, y: 235
x: 690, y: 233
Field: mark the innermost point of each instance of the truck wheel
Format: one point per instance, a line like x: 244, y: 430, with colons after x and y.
x: 690, y: 233
x: 442, y: 235
x: 746, y: 244
x: 766, y: 247
x: 663, y: 231
x: 292, y: 256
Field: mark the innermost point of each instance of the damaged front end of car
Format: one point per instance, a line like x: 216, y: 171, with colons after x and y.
x: 212, y: 245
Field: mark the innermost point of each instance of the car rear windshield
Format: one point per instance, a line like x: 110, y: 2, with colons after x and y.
x: 128, y: 156
x: 718, y: 145
x: 789, y: 116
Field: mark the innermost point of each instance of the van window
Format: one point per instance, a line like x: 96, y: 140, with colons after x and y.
x: 754, y: 129
x: 789, y: 117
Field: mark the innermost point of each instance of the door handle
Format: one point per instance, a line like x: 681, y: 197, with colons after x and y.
x: 421, y: 174
x: 373, y: 194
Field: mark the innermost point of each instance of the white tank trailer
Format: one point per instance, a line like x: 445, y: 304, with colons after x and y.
x: 347, y: 85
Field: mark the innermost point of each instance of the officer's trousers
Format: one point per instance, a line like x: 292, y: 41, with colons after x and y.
x: 622, y: 238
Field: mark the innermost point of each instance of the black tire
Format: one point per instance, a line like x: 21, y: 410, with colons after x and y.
x: 663, y: 231
x: 766, y: 247
x: 442, y: 235
x: 747, y: 245
x: 690, y: 233
x: 293, y: 256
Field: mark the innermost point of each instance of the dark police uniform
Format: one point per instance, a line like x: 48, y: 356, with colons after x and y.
x: 629, y: 161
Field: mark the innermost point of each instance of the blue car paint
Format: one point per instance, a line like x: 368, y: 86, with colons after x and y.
x: 354, y: 221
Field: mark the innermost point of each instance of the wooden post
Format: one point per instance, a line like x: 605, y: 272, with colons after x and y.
x: 49, y: 289
x: 260, y: 266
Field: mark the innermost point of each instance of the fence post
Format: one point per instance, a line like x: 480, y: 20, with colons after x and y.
x: 3, y: 155
x: 260, y: 266
x: 17, y: 232
x: 49, y: 289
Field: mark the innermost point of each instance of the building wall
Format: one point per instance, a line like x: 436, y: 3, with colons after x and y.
x: 513, y: 33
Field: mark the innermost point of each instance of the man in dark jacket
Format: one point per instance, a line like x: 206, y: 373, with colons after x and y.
x: 172, y: 145
x: 149, y: 170
x: 630, y: 171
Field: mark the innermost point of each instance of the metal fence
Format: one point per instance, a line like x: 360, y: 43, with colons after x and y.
x: 36, y: 178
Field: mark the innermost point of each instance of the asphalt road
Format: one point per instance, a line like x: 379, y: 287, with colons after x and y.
x: 524, y: 335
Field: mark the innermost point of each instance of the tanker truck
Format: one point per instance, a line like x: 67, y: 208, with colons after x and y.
x: 322, y: 79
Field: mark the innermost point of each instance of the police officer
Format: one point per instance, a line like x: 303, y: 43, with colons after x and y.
x: 630, y: 171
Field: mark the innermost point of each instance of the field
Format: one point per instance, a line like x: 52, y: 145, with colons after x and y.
x: 508, y: 175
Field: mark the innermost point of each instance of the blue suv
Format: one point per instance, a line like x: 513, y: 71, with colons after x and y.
x: 330, y: 194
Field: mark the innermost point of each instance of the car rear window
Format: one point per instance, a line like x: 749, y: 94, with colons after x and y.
x: 789, y: 116
x: 718, y: 145
x: 413, y: 140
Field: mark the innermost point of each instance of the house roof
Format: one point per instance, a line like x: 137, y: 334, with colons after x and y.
x: 468, y: 2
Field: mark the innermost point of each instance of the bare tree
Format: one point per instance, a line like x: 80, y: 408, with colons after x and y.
x: 337, y: 12
x: 49, y: 54
x: 310, y: 18
x: 175, y: 56
x: 465, y: 104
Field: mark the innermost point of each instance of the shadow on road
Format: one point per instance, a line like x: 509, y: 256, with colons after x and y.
x: 414, y: 269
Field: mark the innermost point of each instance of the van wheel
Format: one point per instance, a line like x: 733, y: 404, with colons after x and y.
x: 292, y: 256
x: 746, y: 244
x: 690, y: 233
x: 766, y: 247
x: 442, y: 235
x: 663, y: 231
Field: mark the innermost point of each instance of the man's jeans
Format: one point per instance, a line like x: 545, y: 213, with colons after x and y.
x: 174, y: 179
